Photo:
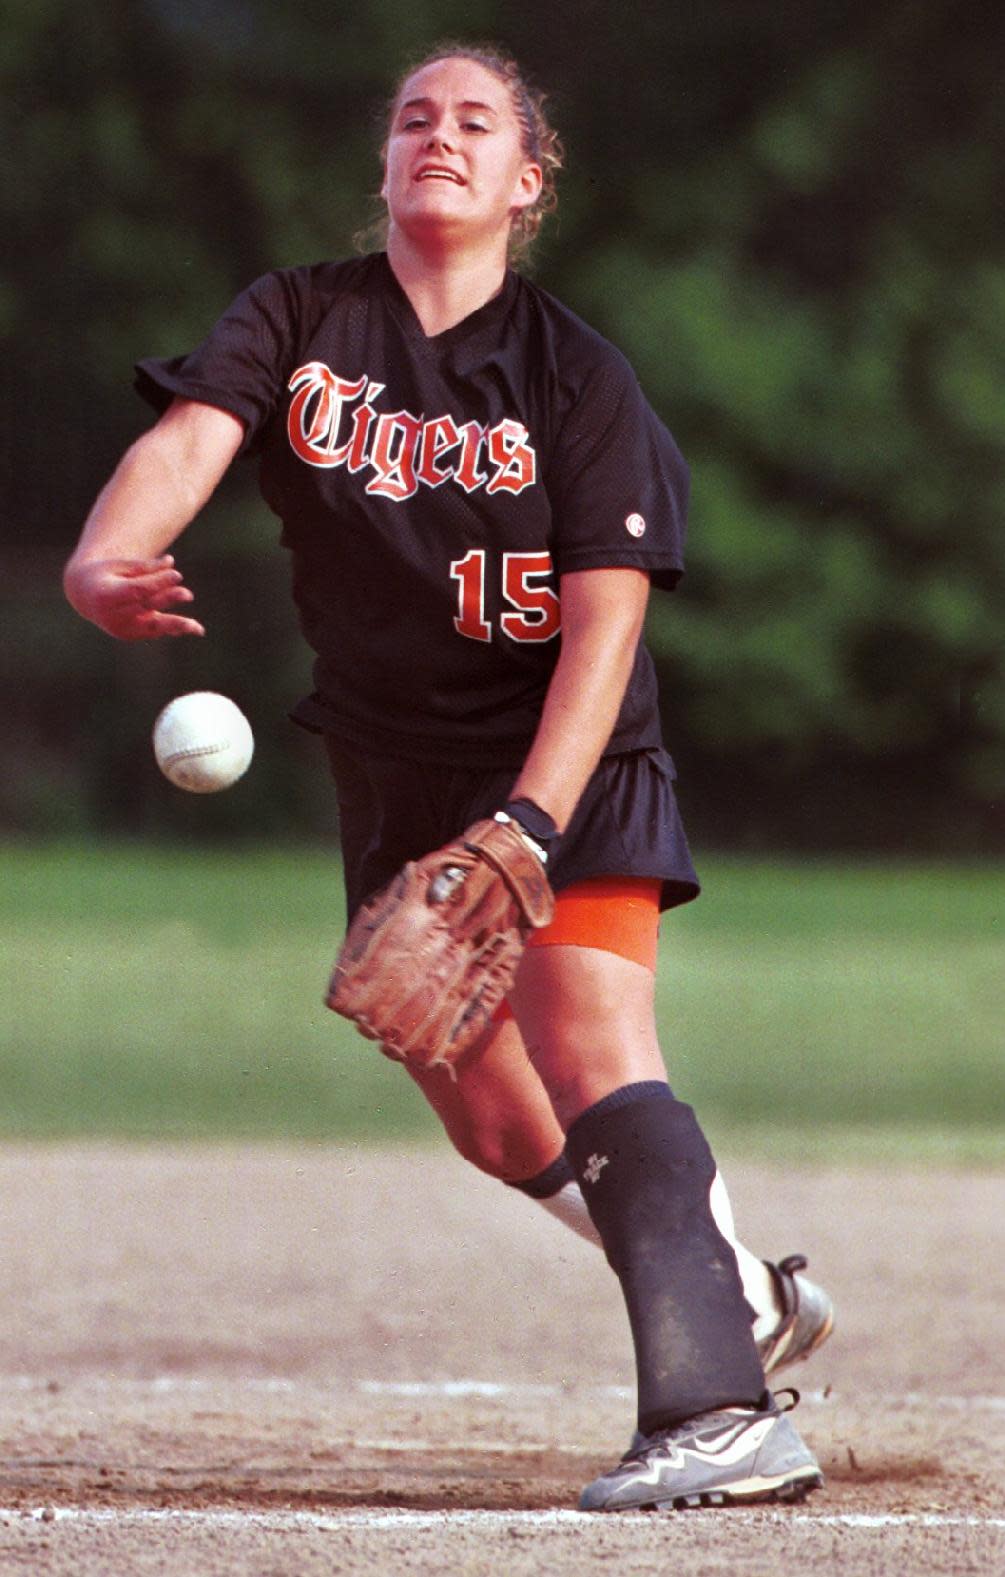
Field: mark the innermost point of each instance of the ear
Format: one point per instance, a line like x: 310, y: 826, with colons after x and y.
x: 528, y: 186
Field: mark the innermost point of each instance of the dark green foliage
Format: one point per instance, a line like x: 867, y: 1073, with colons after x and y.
x: 787, y: 215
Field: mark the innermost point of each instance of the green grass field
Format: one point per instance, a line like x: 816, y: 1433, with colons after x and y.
x: 177, y: 993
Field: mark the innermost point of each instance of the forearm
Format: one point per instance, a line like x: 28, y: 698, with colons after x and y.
x: 118, y: 575
x: 142, y: 509
x: 602, y: 616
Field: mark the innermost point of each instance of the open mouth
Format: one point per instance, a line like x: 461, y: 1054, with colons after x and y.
x: 439, y: 173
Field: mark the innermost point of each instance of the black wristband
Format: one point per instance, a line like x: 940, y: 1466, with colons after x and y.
x: 536, y: 823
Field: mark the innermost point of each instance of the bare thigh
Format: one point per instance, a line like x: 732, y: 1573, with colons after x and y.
x: 587, y: 1018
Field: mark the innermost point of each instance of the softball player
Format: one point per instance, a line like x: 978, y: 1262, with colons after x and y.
x: 477, y: 498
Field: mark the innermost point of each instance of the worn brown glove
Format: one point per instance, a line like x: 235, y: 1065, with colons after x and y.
x: 427, y: 961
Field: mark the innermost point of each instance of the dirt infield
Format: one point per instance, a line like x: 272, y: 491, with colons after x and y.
x: 343, y: 1360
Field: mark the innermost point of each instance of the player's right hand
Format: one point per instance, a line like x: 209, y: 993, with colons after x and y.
x: 130, y: 598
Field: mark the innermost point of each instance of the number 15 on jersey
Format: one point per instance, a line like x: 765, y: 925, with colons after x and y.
x: 534, y: 613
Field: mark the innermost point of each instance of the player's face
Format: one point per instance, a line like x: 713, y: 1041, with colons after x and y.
x: 455, y: 168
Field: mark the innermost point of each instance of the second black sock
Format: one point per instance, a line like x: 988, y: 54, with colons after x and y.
x: 645, y: 1170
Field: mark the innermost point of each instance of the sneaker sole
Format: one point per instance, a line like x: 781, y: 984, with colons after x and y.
x: 791, y: 1489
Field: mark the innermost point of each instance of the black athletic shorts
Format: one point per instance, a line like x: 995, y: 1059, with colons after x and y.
x: 626, y: 824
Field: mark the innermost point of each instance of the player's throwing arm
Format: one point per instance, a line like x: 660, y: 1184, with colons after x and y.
x: 121, y: 577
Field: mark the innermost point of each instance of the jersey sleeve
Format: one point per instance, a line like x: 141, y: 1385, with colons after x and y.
x: 618, y: 483
x: 242, y: 364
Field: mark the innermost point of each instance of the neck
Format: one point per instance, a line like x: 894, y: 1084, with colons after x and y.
x: 445, y: 284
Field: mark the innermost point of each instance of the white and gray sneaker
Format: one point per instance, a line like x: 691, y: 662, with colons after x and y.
x: 735, y: 1454
x: 806, y: 1320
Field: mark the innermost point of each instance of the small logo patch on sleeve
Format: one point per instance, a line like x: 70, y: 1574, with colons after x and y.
x: 635, y: 525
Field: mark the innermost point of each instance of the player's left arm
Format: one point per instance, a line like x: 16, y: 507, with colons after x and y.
x: 602, y: 616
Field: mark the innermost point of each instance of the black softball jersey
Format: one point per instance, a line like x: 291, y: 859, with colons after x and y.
x: 432, y: 493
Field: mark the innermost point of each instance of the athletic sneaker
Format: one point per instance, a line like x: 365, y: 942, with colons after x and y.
x: 807, y: 1317
x: 736, y: 1454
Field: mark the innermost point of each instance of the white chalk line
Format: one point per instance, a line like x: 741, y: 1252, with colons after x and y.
x: 393, y: 1521
x: 450, y: 1390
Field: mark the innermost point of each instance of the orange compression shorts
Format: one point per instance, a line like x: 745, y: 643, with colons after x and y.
x: 612, y: 913
x: 617, y: 914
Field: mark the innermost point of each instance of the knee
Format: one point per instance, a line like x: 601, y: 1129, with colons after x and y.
x: 477, y: 1140
x: 496, y: 1112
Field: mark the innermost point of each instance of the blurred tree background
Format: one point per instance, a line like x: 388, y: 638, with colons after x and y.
x: 788, y: 216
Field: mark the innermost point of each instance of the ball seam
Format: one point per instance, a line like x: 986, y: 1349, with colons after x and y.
x: 194, y: 751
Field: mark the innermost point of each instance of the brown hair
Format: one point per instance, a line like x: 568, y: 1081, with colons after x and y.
x: 539, y: 140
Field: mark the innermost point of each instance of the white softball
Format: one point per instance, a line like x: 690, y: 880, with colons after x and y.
x: 203, y: 742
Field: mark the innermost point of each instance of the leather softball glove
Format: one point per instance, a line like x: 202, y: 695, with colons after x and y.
x: 428, y: 959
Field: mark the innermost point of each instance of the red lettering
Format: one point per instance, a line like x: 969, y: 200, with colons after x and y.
x: 515, y: 460
x: 467, y: 472
x: 540, y: 612
x: 313, y: 428
x: 393, y: 456
x: 362, y: 419
x: 438, y: 436
x: 469, y: 572
x: 401, y: 450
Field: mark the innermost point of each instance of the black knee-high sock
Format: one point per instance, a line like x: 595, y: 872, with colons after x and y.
x: 645, y: 1169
